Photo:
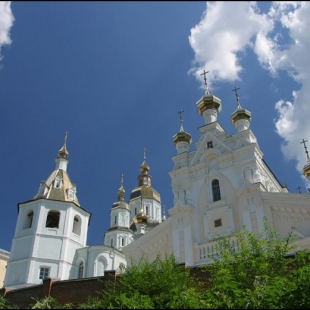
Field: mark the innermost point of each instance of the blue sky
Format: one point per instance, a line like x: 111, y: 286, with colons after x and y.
x: 115, y: 74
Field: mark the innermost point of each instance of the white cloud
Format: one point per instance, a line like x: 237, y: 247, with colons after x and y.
x: 281, y: 41
x: 6, y: 22
x: 226, y: 29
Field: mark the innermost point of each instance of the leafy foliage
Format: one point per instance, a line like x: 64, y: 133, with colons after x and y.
x: 252, y: 271
x: 49, y: 302
x: 161, y: 284
x: 248, y: 271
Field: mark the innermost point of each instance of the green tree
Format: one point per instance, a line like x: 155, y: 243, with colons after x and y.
x: 161, y: 284
x: 48, y: 302
x: 252, y: 271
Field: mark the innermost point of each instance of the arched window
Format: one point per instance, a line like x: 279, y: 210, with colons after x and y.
x: 77, y: 223
x: 52, y: 220
x: 81, y: 270
x: 28, y: 221
x: 100, y: 266
x: 216, y: 190
x: 123, y: 239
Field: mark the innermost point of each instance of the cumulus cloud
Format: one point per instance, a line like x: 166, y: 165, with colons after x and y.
x: 225, y: 30
x: 281, y: 41
x: 6, y: 22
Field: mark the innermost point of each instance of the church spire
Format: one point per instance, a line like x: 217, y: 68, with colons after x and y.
x: 121, y: 190
x: 209, y: 105
x: 241, y: 118
x: 182, y: 140
x: 144, y: 178
x: 62, y: 158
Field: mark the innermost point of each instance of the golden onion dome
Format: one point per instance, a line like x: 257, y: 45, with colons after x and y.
x: 182, y: 136
x: 141, y: 217
x: 306, y: 170
x: 145, y: 192
x: 121, y: 198
x: 240, y: 114
x: 63, y: 153
x: 121, y: 204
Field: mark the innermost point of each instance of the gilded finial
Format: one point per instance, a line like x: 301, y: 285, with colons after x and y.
x: 121, y: 191
x: 205, y: 78
x: 122, y: 180
x: 237, y: 97
x: 144, y: 153
x: 304, y: 143
x: 63, y: 151
x: 66, y: 137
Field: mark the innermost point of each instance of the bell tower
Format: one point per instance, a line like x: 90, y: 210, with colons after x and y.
x: 50, y: 228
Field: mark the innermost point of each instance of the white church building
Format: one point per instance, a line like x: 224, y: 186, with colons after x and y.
x: 220, y: 187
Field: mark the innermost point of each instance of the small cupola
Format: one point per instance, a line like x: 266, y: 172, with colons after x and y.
x: 120, y: 203
x: 144, y: 177
x: 241, y: 118
x: 209, y: 106
x: 182, y: 140
x: 306, y: 168
x: 62, y: 158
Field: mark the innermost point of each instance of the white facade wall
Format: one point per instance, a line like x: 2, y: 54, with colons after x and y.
x: 40, y: 246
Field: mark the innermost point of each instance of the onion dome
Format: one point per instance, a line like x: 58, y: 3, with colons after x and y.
x: 120, y: 203
x: 306, y: 168
x: 63, y: 153
x: 144, y: 188
x: 241, y: 118
x: 141, y: 217
x: 182, y: 140
x: 209, y: 105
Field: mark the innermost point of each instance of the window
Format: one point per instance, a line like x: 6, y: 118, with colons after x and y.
x: 218, y: 223
x: 71, y: 193
x: 76, y: 225
x: 28, y: 221
x: 146, y: 210
x: 52, y: 220
x: 123, y: 241
x: 115, y: 219
x: 216, y: 190
x: 135, y: 211
x: 81, y: 270
x: 57, y: 182
x: 209, y: 145
x: 44, y: 273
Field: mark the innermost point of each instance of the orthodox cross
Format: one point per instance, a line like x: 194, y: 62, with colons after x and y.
x: 205, y: 78
x: 299, y: 188
x: 122, y: 180
x: 304, y: 143
x: 237, y: 97
x: 144, y: 153
x: 66, y: 137
x: 181, y: 117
